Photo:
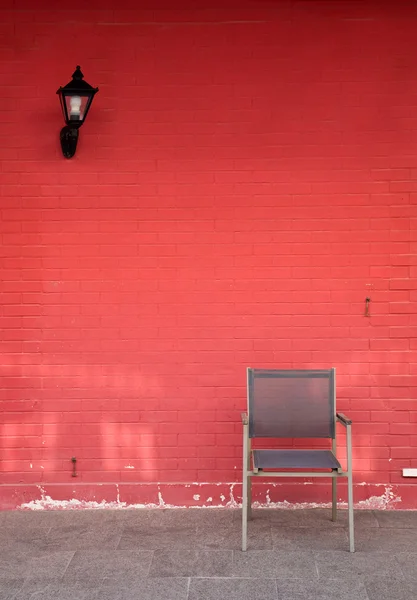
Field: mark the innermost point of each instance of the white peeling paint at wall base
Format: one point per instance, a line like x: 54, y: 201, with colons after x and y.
x: 382, y: 502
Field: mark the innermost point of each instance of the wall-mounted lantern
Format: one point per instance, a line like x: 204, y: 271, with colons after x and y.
x: 76, y: 98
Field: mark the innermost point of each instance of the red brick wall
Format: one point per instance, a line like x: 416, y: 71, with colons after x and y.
x: 246, y: 177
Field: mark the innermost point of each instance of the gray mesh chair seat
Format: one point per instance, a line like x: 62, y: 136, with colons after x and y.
x: 293, y: 404
x: 294, y: 459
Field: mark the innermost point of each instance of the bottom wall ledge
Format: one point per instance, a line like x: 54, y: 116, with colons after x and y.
x: 292, y: 495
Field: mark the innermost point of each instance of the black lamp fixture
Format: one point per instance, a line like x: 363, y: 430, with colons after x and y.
x: 76, y: 98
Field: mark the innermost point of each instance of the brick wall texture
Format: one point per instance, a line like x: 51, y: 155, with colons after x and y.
x: 246, y: 178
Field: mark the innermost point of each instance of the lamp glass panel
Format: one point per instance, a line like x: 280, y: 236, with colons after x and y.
x: 76, y: 106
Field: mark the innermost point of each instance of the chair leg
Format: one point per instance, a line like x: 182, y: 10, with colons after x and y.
x: 350, y: 510
x: 249, y: 497
x: 334, y: 499
x: 350, y: 489
x: 245, y: 482
x: 245, y: 513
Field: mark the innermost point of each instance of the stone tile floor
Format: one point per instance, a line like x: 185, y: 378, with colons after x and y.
x: 194, y: 555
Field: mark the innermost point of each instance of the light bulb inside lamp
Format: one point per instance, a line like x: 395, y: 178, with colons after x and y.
x: 75, y: 108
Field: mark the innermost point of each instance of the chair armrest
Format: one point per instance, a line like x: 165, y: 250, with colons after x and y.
x: 343, y: 419
x: 244, y: 417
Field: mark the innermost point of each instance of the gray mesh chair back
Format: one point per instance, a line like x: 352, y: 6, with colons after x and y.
x: 291, y: 404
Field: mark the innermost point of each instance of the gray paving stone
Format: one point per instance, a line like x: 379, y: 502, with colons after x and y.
x: 78, y: 537
x: 33, y: 518
x: 399, y: 519
x: 157, y: 538
x: 233, y: 589
x: 287, y: 539
x: 362, y: 518
x: 49, y: 565
x: 58, y: 590
x: 191, y: 517
x: 90, y: 517
x: 22, y: 532
x: 13, y: 565
x: 355, y: 566
x: 408, y: 563
x: 321, y: 590
x: 392, y: 588
x: 314, y: 517
x: 135, y: 513
x: 30, y: 539
x: 33, y: 588
x: 9, y: 588
x: 386, y: 540
x: 230, y: 538
x: 115, y: 564
x: 151, y: 588
x: 26, y: 517
x: 191, y: 563
x: 270, y: 563
x: 107, y: 555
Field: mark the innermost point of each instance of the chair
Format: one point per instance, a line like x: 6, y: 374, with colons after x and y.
x: 293, y: 404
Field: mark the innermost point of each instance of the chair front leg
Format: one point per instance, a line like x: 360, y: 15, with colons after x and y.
x: 248, y: 470
x: 249, y: 498
x: 350, y: 488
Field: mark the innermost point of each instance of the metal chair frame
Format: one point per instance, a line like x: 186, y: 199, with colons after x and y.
x: 249, y: 471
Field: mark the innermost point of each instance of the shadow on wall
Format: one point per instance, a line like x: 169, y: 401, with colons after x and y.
x: 87, y: 412
x: 120, y: 428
